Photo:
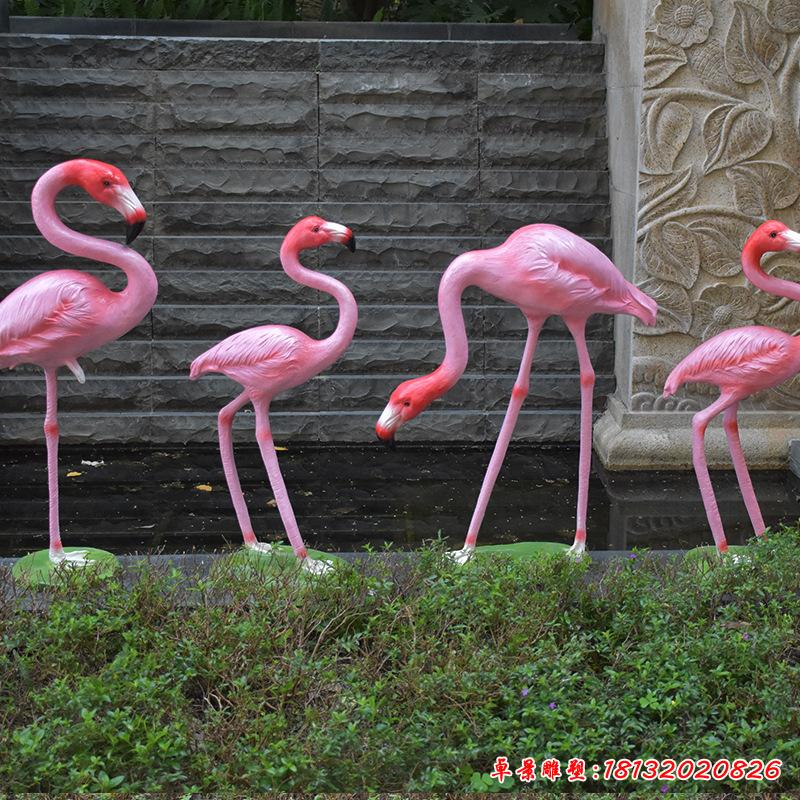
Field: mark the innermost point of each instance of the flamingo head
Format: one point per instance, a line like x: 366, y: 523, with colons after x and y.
x: 773, y: 236
x: 109, y: 186
x: 407, y: 401
x: 315, y: 231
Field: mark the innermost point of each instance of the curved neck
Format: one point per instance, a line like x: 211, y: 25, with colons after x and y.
x: 140, y: 293
x: 751, y: 265
x: 457, y: 277
x: 335, y: 344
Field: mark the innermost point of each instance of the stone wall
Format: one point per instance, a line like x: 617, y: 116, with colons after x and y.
x: 425, y: 149
x: 715, y: 86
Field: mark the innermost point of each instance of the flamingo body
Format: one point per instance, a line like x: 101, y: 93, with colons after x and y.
x: 270, y: 359
x: 546, y: 270
x: 543, y: 270
x: 740, y: 362
x: 56, y: 317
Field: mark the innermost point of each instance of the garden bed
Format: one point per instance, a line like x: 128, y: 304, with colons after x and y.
x: 410, y: 681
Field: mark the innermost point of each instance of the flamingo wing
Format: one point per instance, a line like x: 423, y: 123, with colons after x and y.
x: 567, y: 265
x: 753, y: 357
x: 46, y: 312
x: 263, y: 353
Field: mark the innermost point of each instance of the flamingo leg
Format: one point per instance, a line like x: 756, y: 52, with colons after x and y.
x: 225, y: 426
x: 267, y: 447
x: 742, y: 474
x: 699, y: 425
x: 518, y: 395
x: 57, y: 554
x: 578, y: 331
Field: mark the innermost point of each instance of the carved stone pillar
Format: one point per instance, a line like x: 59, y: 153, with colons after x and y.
x: 704, y: 145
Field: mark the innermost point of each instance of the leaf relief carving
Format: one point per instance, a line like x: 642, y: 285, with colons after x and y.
x: 761, y: 187
x: 666, y: 129
x: 662, y: 193
x: 661, y: 60
x: 720, y: 241
x: 753, y: 49
x: 708, y: 63
x: 734, y: 133
x: 784, y: 15
x: 669, y: 252
x: 674, y: 308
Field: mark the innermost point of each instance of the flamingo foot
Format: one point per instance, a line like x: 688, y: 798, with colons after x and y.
x: 577, y: 551
x: 259, y: 547
x: 316, y: 566
x: 461, y: 556
x: 75, y: 558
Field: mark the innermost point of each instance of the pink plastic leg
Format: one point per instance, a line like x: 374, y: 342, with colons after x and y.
x: 267, y: 447
x: 51, y: 437
x: 578, y: 331
x: 518, y: 395
x: 699, y: 425
x: 225, y: 426
x: 742, y: 474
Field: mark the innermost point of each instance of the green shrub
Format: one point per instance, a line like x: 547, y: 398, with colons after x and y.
x: 575, y: 12
x: 413, y: 682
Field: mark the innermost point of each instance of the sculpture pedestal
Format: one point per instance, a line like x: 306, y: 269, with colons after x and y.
x: 643, y: 440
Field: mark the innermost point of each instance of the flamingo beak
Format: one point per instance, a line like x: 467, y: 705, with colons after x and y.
x: 792, y: 239
x: 386, y: 426
x: 131, y: 208
x: 132, y: 230
x: 342, y: 234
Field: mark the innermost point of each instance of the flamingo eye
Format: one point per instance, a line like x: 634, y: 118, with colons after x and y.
x: 315, y: 229
x: 406, y: 403
x: 106, y: 182
x: 773, y: 234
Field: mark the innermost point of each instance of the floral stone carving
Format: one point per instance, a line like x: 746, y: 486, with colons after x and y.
x: 719, y: 154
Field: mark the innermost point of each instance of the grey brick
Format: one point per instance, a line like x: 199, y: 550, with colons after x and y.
x: 44, y: 149
x: 67, y: 86
x: 92, y: 52
x: 397, y: 56
x: 556, y: 58
x: 232, y: 287
x: 233, y: 149
x: 209, y: 252
x: 382, y: 184
x: 279, y: 55
x: 238, y: 185
x: 27, y: 393
x: 586, y: 186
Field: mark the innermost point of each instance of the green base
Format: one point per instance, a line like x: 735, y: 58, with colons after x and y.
x: 523, y: 550
x: 707, y: 557
x: 280, y: 561
x: 36, y: 569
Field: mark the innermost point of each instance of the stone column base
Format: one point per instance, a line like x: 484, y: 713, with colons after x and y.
x: 631, y: 440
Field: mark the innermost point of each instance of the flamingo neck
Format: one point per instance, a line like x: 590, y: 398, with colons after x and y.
x: 751, y: 265
x: 461, y: 273
x: 138, y: 296
x: 335, y: 344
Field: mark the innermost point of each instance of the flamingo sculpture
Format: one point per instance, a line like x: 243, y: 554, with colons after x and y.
x: 741, y: 362
x: 544, y: 270
x: 271, y: 359
x: 56, y: 317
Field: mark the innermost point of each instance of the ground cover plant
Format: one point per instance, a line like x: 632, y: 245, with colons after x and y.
x: 410, y: 678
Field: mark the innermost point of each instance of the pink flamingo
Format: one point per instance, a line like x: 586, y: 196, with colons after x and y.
x: 741, y: 362
x: 57, y: 317
x: 544, y: 270
x: 271, y: 359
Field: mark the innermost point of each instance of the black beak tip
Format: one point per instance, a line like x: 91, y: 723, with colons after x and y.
x: 351, y: 243
x: 132, y: 231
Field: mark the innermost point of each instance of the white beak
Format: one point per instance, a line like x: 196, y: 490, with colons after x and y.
x: 389, y: 418
x: 128, y: 203
x: 792, y: 239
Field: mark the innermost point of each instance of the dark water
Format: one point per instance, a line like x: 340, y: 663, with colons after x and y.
x: 347, y: 497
